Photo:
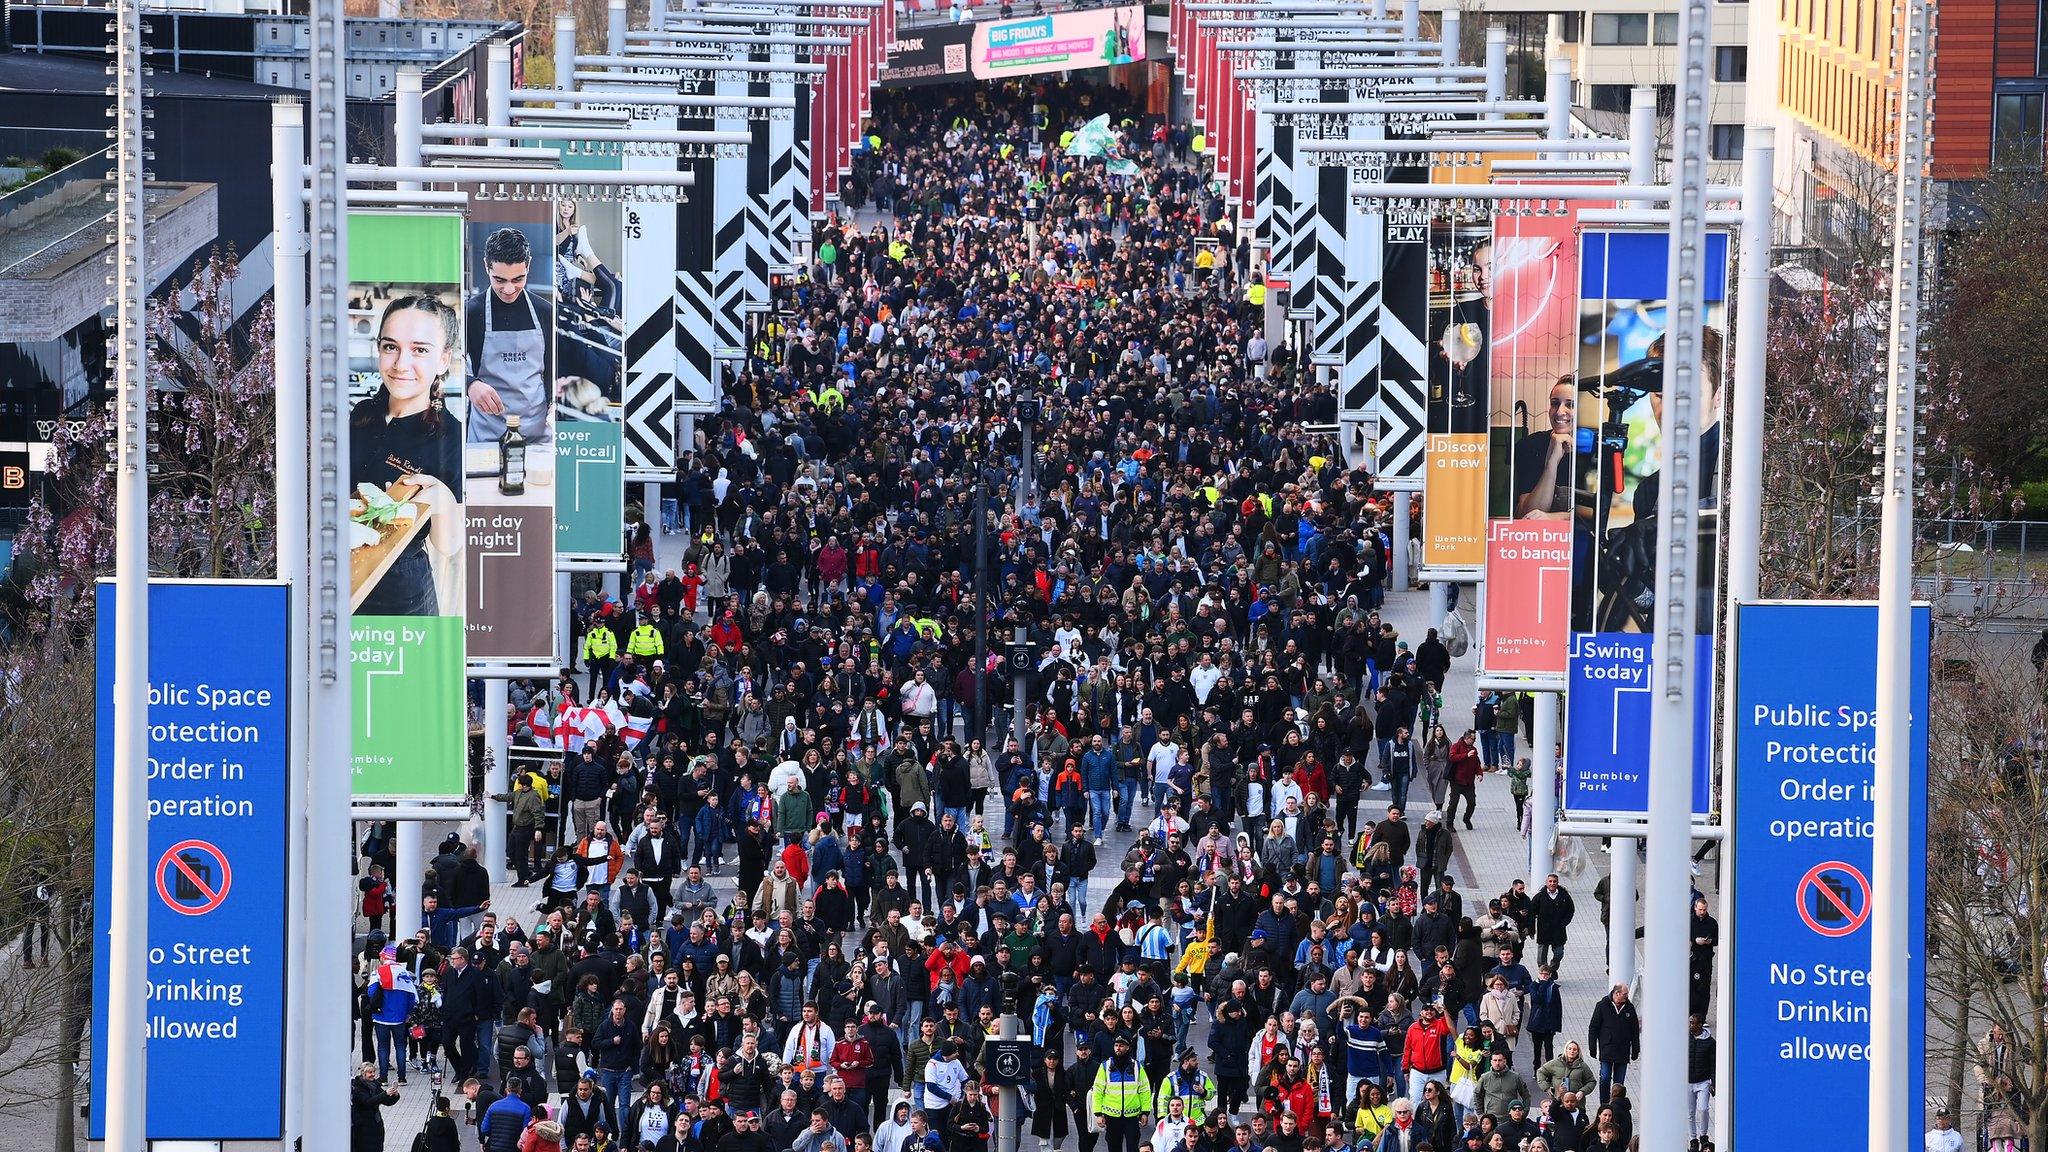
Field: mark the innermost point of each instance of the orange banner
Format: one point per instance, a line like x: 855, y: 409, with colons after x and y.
x: 1454, y: 501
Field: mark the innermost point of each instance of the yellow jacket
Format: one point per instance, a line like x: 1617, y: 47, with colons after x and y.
x: 600, y: 644
x: 645, y: 641
x: 1122, y: 1094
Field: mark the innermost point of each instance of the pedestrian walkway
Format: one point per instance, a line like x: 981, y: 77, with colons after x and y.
x: 1485, y: 861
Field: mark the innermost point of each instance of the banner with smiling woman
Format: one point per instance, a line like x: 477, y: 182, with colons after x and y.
x: 406, y: 524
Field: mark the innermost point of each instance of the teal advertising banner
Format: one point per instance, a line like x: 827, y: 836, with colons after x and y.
x: 590, y: 465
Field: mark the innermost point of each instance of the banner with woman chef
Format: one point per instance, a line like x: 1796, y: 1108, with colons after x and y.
x: 408, y: 374
x: 512, y: 317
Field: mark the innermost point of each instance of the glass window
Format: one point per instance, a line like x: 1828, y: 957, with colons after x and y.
x: 1609, y: 98
x: 1725, y: 142
x: 1621, y: 28
x: 1731, y: 65
x: 1667, y: 28
x: 2016, y: 130
x: 1574, y: 27
x: 2041, y: 39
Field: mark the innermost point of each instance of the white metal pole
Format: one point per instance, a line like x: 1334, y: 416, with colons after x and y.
x: 615, y: 28
x: 1673, y: 676
x: 128, y: 919
x: 1557, y: 97
x: 498, y: 108
x: 288, y: 257
x: 1642, y: 135
x: 565, y: 50
x: 411, y: 858
x: 1543, y: 786
x: 1411, y: 19
x: 1451, y: 24
x: 1891, y: 942
x: 498, y: 776
x: 650, y: 504
x: 657, y: 15
x: 408, y: 117
x: 565, y: 641
x: 1439, y: 601
x: 1744, y: 528
x: 1496, y: 63
x: 1621, y: 914
x: 329, y: 694
x: 1400, y: 534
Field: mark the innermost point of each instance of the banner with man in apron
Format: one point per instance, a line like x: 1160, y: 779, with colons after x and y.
x: 511, y: 344
x: 509, y: 452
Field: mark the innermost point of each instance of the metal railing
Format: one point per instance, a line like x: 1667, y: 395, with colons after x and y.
x: 1986, y: 550
x: 33, y: 217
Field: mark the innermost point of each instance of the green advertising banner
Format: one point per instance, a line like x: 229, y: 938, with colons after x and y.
x: 406, y: 519
x: 590, y: 497
x: 590, y: 463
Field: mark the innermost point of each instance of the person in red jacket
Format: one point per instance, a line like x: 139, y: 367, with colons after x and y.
x: 1465, y: 770
x: 947, y: 955
x: 1424, y: 1051
x: 851, y: 1059
x: 832, y: 567
x: 693, y: 583
x: 1313, y: 778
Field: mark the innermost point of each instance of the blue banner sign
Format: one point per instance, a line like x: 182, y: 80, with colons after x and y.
x: 1607, y: 725
x: 1805, y: 738
x: 218, y: 762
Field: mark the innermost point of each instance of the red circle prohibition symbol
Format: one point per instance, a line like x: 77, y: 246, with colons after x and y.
x: 211, y: 892
x: 1852, y: 918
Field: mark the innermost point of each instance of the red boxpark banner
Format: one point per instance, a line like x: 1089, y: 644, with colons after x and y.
x: 1528, y: 598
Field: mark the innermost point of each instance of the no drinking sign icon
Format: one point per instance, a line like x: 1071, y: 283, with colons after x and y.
x: 1834, y: 898
x: 192, y: 877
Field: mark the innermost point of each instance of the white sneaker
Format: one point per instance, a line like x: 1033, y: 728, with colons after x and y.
x: 1098, y: 841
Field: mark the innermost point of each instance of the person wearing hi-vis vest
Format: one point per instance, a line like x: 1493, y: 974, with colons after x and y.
x: 646, y: 641
x: 1123, y: 1095
x: 511, y: 346
x: 601, y: 653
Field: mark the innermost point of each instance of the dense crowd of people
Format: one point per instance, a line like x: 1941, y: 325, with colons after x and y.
x: 1286, y: 959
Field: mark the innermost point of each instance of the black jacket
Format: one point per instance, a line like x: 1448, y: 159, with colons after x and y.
x: 467, y: 995
x: 1553, y: 914
x: 579, y: 1116
x: 1615, y: 1034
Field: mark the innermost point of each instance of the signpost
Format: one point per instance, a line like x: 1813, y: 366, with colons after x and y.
x: 1805, y: 731
x: 218, y: 828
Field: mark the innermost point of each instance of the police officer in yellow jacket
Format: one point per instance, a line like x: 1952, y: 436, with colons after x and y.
x: 1123, y: 1096
x: 1196, y: 1089
x: 645, y: 642
x: 601, y: 653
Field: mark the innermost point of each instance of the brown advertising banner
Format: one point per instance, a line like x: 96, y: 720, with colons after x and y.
x: 510, y: 314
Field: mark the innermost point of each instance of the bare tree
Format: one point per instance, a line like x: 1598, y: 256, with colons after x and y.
x: 1987, y: 883
x: 212, y: 505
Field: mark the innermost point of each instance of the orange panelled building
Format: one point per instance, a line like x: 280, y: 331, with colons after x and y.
x: 1991, y: 76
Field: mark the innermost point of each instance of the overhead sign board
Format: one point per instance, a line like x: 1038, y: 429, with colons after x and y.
x: 218, y: 758
x: 1058, y: 42
x: 1805, y: 742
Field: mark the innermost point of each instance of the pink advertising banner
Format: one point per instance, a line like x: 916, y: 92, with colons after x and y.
x: 1059, y: 42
